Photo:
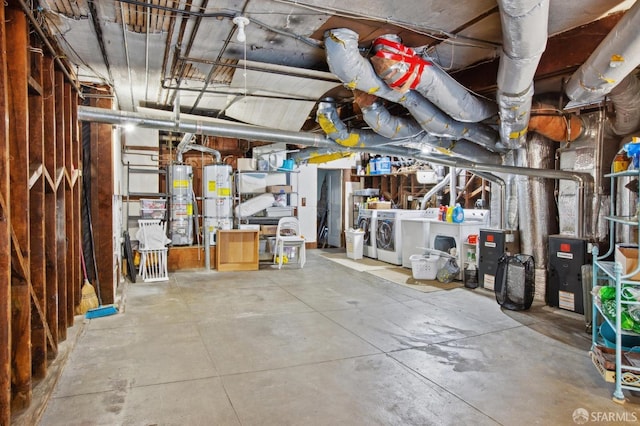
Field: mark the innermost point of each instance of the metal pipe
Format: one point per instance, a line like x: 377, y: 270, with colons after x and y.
x: 244, y: 131
x: 503, y: 194
x: 206, y: 150
x: 43, y: 37
x: 453, y: 181
x: 433, y: 191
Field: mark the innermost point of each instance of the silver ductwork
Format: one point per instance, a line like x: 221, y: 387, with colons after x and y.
x: 614, y: 59
x: 626, y: 100
x: 524, y: 30
x: 356, y: 72
x: 536, y: 195
x: 403, y: 69
x: 328, y: 118
x: 386, y: 124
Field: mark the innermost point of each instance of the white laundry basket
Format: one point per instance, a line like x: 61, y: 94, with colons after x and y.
x: 425, y: 266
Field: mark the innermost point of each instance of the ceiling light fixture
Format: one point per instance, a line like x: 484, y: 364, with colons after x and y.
x: 241, y: 22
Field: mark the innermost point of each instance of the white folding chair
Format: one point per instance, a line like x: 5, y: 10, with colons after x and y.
x: 153, y: 251
x: 288, y: 235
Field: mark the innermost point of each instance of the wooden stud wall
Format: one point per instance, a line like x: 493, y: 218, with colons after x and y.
x: 40, y: 275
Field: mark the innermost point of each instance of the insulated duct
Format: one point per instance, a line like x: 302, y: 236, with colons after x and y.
x: 614, y: 59
x: 524, y: 29
x: 345, y: 61
x: 383, y: 123
x: 402, y: 69
x: 536, y: 195
x: 386, y: 124
x: 626, y: 100
x: 554, y: 124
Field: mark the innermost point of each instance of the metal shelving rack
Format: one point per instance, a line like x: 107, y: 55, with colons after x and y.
x: 136, y: 196
x: 627, y: 376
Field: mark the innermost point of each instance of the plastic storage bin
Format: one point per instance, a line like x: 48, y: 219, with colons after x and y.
x: 424, y: 266
x: 355, y: 244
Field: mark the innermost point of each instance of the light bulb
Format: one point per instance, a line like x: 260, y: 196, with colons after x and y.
x: 241, y: 22
x: 241, y: 37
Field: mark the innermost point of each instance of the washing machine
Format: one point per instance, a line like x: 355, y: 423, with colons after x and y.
x: 367, y: 222
x: 389, y: 233
x: 415, y: 234
x: 446, y: 235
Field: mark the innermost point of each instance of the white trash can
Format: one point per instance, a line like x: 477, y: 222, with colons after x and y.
x: 355, y: 244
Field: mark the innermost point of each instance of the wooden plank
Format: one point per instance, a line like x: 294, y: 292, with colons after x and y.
x: 188, y: 257
x: 102, y: 203
x: 61, y: 243
x: 51, y: 256
x: 77, y: 193
x: 5, y: 239
x: 72, y: 244
x: 18, y: 68
x: 36, y: 223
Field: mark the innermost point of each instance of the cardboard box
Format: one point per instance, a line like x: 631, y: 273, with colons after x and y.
x: 279, y: 189
x: 268, y: 229
x: 627, y: 256
x: 379, y: 205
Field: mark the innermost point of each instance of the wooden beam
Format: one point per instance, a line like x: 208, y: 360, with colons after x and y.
x: 18, y: 68
x: 72, y: 244
x: 61, y: 236
x: 5, y: 238
x: 51, y: 256
x: 36, y: 221
x: 101, y: 196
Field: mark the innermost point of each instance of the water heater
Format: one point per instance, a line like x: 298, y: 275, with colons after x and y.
x: 217, y: 209
x: 181, y: 204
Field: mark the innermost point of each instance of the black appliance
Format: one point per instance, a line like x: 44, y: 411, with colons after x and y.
x: 564, y: 280
x: 493, y: 244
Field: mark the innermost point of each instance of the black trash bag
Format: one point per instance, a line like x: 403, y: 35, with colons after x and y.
x: 448, y: 272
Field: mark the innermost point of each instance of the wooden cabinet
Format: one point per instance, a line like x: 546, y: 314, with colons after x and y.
x: 237, y: 250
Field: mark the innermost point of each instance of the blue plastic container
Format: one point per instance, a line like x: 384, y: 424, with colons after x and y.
x: 458, y: 214
x: 384, y: 165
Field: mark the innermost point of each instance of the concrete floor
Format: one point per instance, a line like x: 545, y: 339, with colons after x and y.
x: 326, y: 345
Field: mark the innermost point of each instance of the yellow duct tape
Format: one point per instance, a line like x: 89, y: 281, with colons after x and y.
x: 326, y: 124
x: 324, y: 158
x: 518, y: 135
x: 352, y: 140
